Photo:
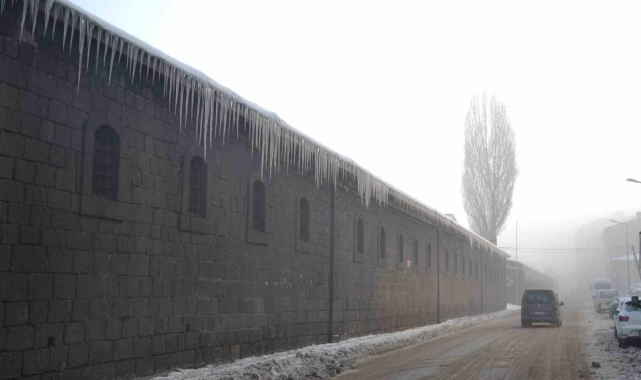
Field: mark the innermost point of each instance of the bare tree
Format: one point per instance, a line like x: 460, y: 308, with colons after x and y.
x: 490, y: 168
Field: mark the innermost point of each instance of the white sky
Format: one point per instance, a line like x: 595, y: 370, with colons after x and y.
x: 388, y: 84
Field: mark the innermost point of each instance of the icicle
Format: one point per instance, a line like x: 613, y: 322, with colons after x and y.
x: 1, y: 6
x: 122, y: 45
x: 133, y: 63
x: 81, y: 46
x: 148, y: 65
x: 114, y: 45
x: 142, y: 55
x: 107, y: 39
x: 34, y: 16
x: 153, y: 72
x: 24, y: 17
x: 48, y: 6
x: 98, y: 38
x: 89, y: 29
x: 74, y: 19
x: 64, y: 31
x: 180, y: 117
x: 56, y: 13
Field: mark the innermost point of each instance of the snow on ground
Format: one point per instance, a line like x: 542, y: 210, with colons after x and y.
x: 326, y: 360
x: 601, y: 347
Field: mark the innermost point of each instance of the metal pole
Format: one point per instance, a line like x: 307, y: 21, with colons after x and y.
x: 627, y: 250
x: 438, y: 275
x: 518, y: 301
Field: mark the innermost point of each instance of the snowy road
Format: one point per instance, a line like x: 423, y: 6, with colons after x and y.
x: 499, y: 349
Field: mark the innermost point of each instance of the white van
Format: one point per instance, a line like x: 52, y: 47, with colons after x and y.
x: 599, y: 284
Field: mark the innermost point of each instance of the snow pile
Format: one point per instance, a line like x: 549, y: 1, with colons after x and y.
x: 327, y: 360
x: 601, y: 347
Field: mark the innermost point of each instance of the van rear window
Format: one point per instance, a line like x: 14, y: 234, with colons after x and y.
x: 538, y: 296
x: 609, y: 293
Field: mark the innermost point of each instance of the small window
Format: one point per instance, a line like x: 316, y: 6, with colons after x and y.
x: 303, y: 220
x: 416, y: 253
x: 359, y: 236
x: 400, y: 248
x: 197, y: 187
x: 258, y: 217
x: 381, y: 244
x: 477, y: 271
x: 455, y: 262
x: 106, y: 163
x: 429, y: 255
x: 470, y: 267
x: 463, y: 264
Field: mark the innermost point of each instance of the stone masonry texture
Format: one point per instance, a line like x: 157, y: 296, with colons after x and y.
x: 107, y: 288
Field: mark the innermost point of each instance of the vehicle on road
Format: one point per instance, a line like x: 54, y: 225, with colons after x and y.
x: 603, y: 299
x: 614, y: 305
x: 541, y: 306
x: 627, y: 324
x: 600, y: 284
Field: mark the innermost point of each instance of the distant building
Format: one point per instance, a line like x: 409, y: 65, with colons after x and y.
x: 617, y: 251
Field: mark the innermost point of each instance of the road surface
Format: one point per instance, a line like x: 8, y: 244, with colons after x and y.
x: 500, y: 349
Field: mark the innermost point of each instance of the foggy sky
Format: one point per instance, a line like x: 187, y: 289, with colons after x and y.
x: 388, y: 85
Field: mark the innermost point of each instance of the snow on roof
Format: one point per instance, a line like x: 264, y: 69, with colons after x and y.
x: 218, y: 108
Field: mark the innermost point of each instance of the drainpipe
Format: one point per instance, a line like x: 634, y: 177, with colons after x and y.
x: 481, y: 270
x: 438, y: 275
x: 331, y: 263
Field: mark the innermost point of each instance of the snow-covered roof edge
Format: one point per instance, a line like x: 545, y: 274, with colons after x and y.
x: 218, y: 108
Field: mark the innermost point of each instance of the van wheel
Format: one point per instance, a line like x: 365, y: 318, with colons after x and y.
x: 524, y: 324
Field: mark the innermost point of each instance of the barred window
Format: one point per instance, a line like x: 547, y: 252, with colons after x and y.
x: 415, y: 253
x: 303, y: 220
x: 455, y: 262
x: 429, y: 255
x: 106, y: 163
x: 197, y: 187
x: 258, y: 217
x: 359, y: 236
x: 400, y: 248
x: 381, y: 244
x: 447, y: 260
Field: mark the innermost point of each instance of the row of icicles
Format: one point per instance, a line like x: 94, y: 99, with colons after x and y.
x: 216, y: 111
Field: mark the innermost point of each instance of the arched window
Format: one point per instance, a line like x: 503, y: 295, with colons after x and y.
x: 429, y: 255
x: 455, y: 262
x: 416, y: 253
x: 381, y: 244
x: 359, y: 236
x: 258, y: 217
x: 400, y: 248
x: 106, y: 163
x: 447, y: 260
x: 303, y: 220
x: 197, y: 187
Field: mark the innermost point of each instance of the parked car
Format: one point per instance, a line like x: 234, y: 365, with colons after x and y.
x: 541, y: 306
x: 600, y: 284
x: 603, y: 299
x: 627, y: 324
x: 614, y: 305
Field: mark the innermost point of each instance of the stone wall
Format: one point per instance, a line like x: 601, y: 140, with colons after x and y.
x: 98, y: 288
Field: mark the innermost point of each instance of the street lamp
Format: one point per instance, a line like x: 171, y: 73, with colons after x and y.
x: 627, y: 250
x: 633, y: 180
